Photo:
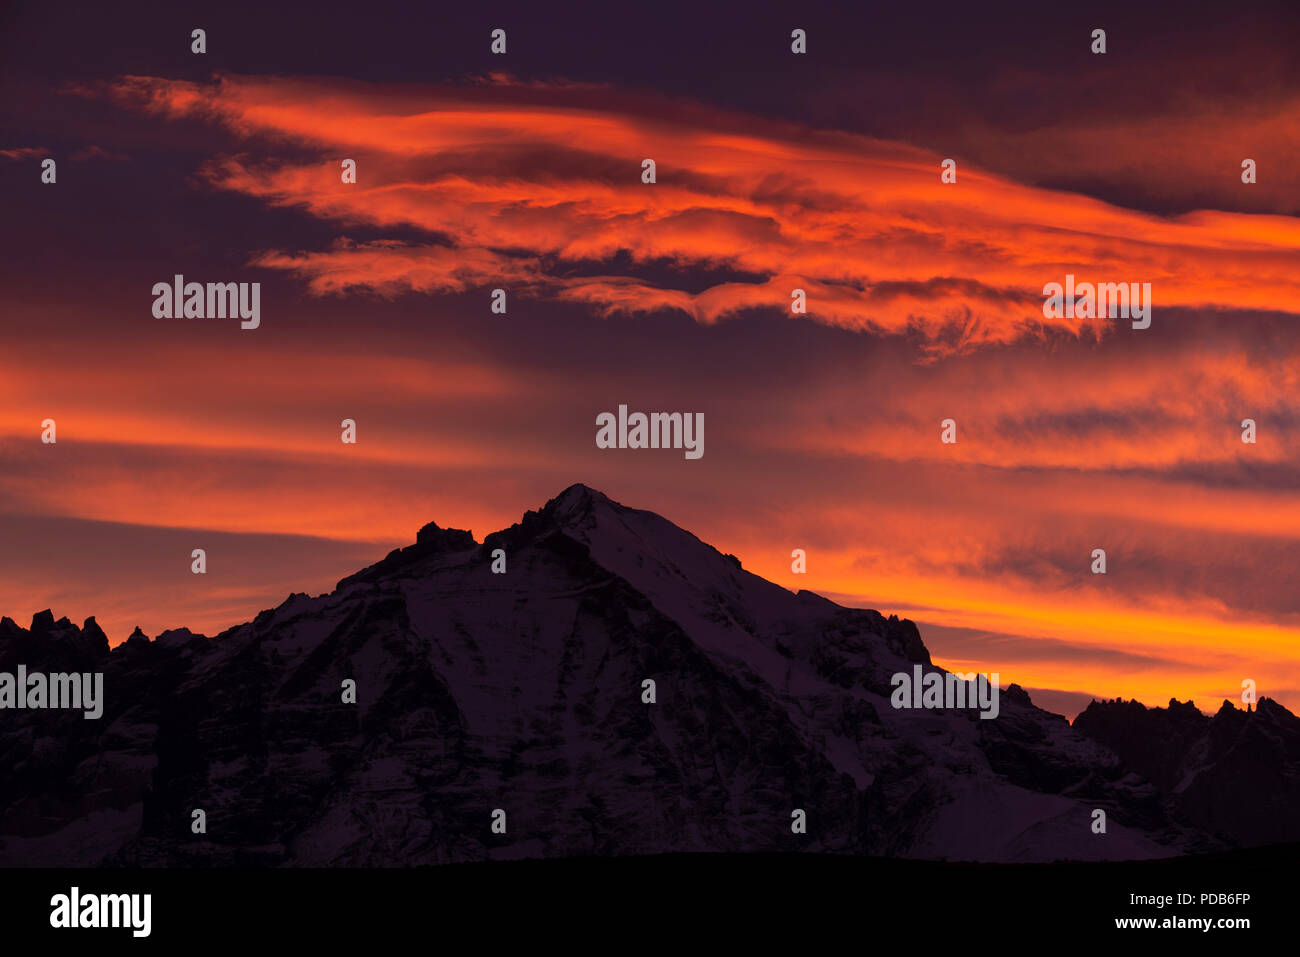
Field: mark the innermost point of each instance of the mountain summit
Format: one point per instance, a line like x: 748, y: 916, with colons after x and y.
x: 621, y: 687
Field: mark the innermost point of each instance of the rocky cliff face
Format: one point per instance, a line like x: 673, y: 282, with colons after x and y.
x: 1235, y: 775
x: 524, y: 692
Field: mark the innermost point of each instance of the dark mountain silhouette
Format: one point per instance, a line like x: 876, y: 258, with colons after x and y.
x: 1236, y: 775
x: 523, y: 691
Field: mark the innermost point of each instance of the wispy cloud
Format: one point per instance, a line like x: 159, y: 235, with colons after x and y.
x: 539, y: 188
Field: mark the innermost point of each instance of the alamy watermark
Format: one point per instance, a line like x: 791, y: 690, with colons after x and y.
x: 945, y: 690
x: 37, y: 690
x: 1117, y: 300
x: 75, y: 909
x: 658, y: 430
x: 179, y: 299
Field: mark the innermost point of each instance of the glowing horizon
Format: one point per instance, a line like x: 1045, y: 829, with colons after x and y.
x: 925, y: 303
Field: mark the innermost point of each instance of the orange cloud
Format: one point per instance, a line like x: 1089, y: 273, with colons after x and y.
x: 522, y: 185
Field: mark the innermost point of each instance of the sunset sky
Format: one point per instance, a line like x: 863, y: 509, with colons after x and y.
x: 774, y: 171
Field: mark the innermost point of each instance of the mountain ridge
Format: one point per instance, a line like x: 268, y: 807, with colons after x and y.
x: 523, y: 692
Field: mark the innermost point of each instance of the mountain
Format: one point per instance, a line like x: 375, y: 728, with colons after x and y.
x: 523, y: 692
x: 1235, y: 775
